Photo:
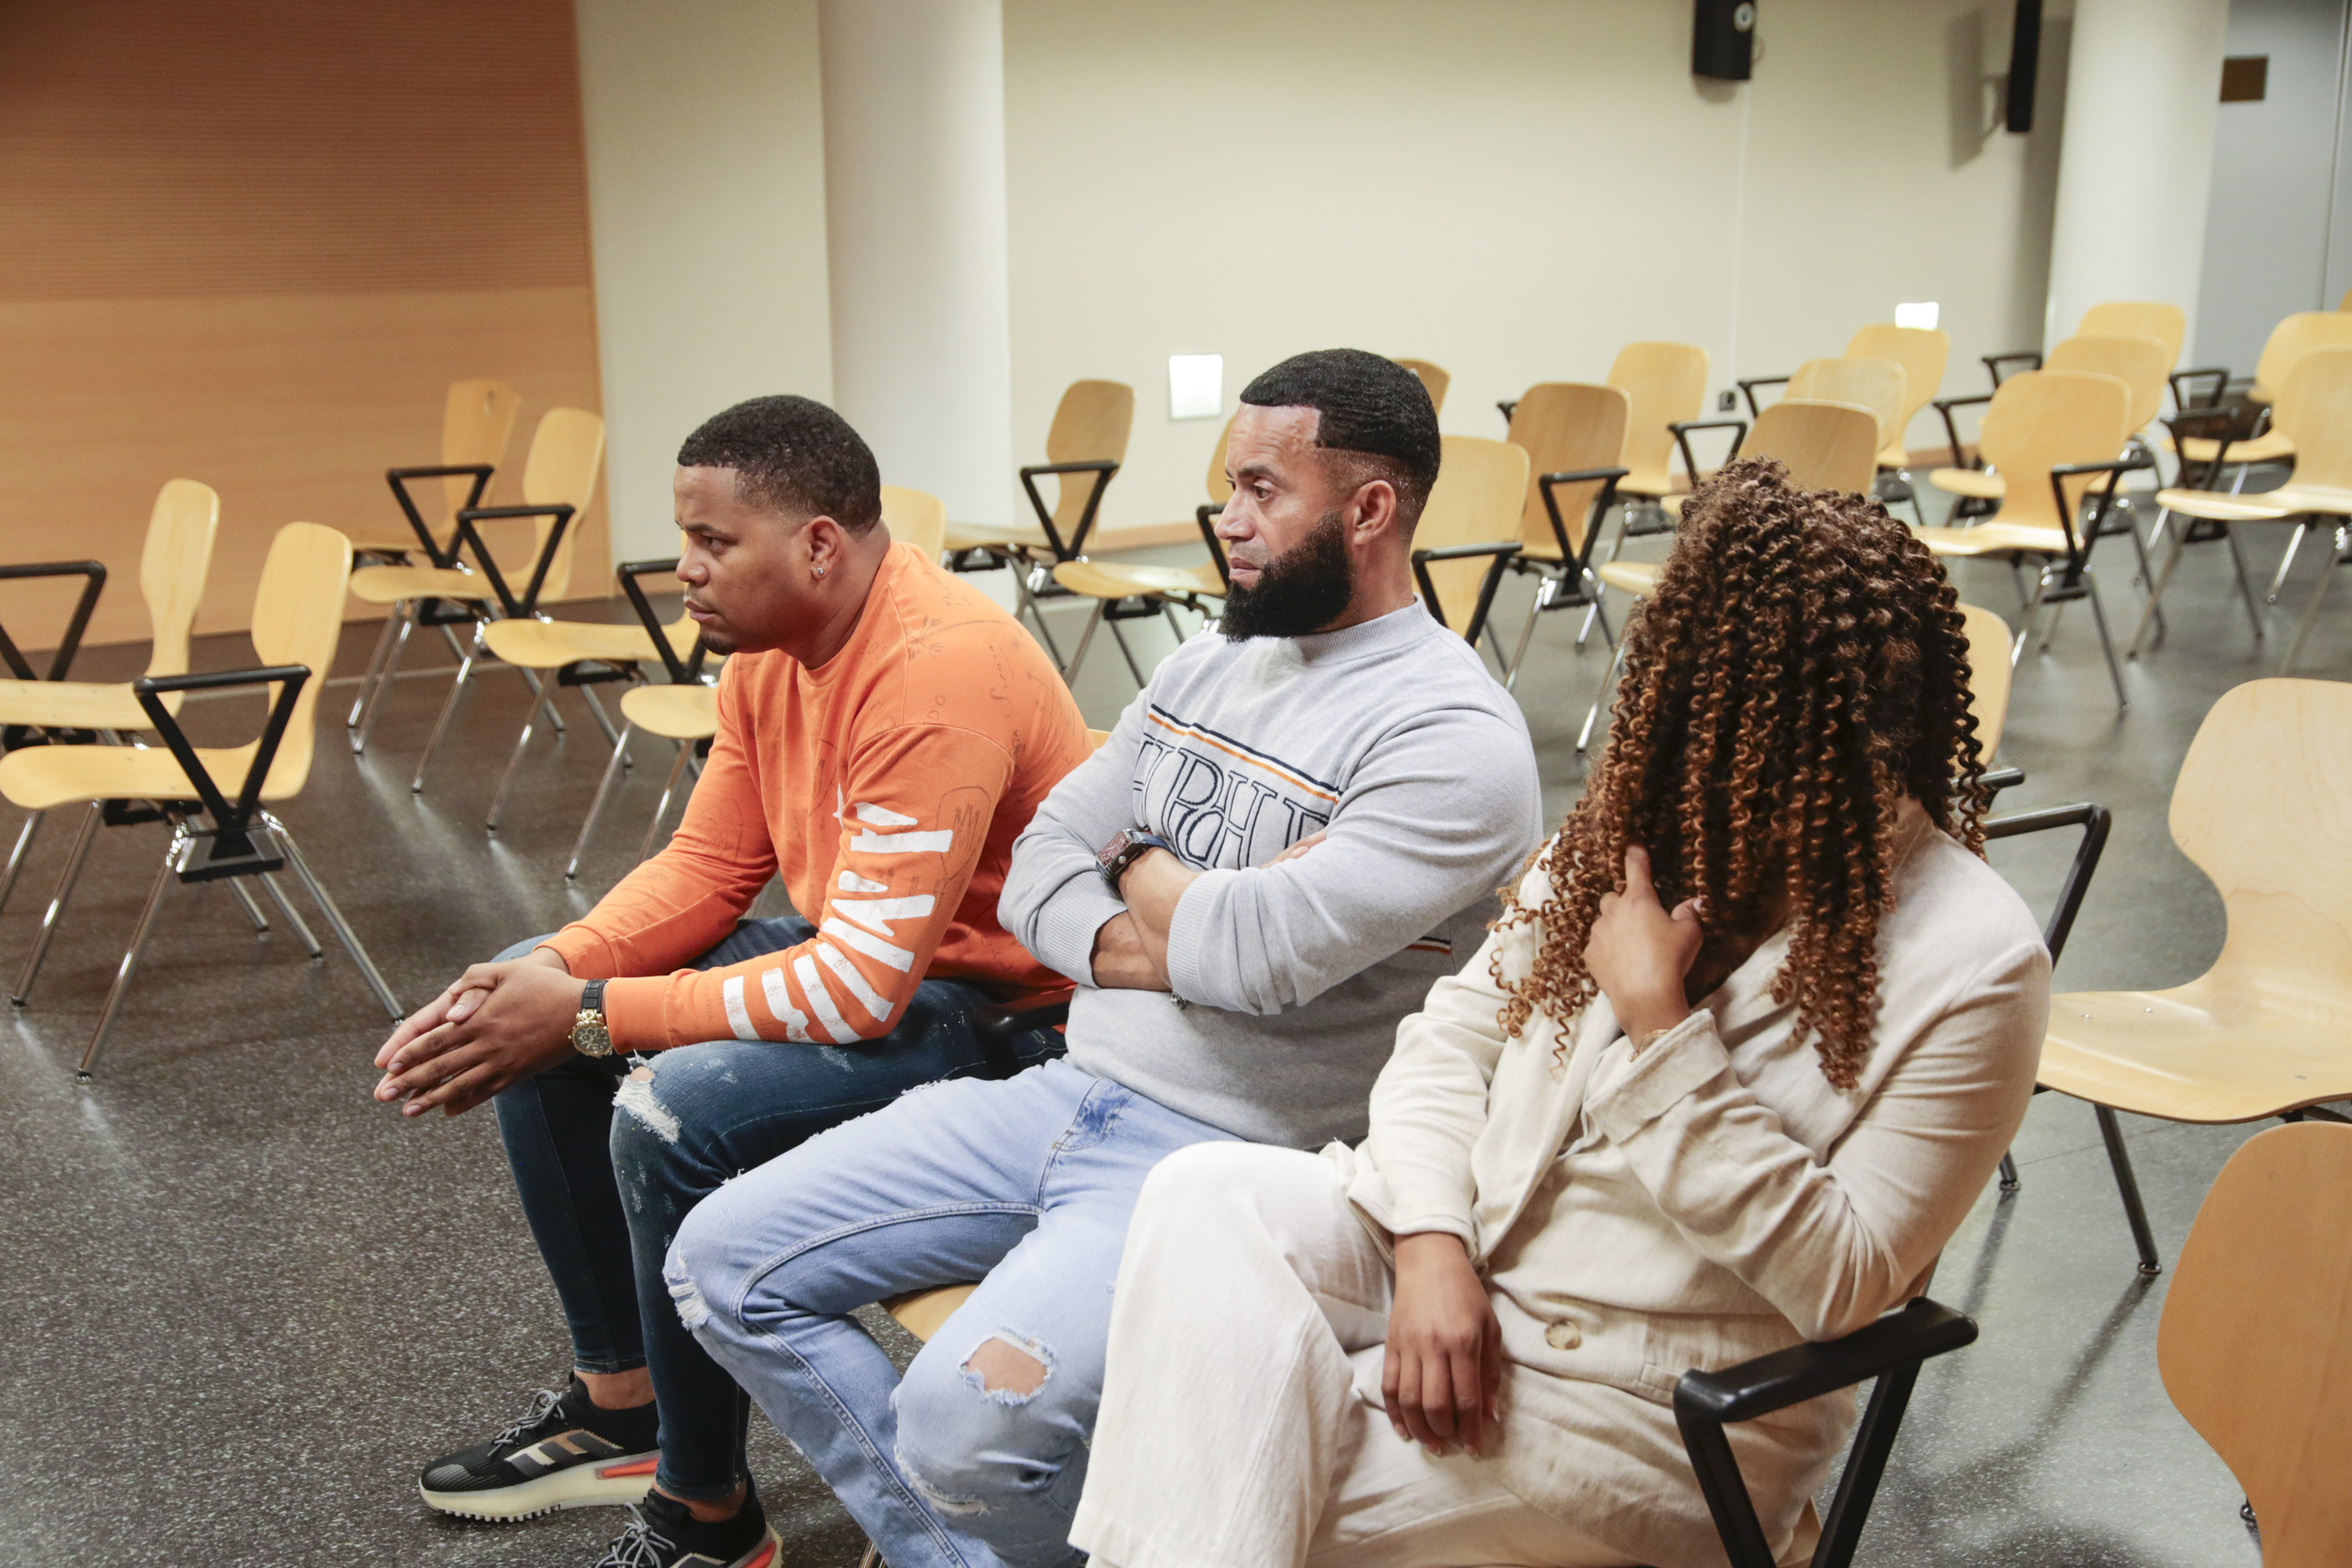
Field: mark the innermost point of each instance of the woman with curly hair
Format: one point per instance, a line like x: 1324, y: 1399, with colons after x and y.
x: 1747, y: 1041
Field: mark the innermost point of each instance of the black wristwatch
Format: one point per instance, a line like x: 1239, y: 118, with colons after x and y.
x: 1125, y: 847
x: 590, y: 1034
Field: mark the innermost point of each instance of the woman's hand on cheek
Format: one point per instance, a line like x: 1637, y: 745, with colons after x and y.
x: 1639, y: 951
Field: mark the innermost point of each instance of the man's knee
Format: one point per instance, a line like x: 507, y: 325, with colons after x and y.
x: 984, y: 1432
x: 658, y: 1135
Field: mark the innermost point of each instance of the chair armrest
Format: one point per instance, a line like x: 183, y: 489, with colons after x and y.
x: 1682, y: 429
x: 686, y: 671
x: 1921, y: 1329
x: 1510, y: 407
x: 229, y: 821
x: 529, y: 603
x: 93, y: 576
x: 398, y: 479
x: 1890, y: 1350
x: 1993, y: 363
x: 1944, y: 407
x: 1997, y: 778
x: 1030, y: 475
x: 1466, y: 552
x: 2185, y: 392
x: 1500, y: 552
x: 2218, y: 425
x: 1208, y: 536
x: 1747, y: 389
x: 2115, y: 468
x: 1547, y: 484
x: 2094, y: 821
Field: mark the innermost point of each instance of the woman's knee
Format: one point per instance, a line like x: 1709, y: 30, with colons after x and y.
x: 1224, y: 1189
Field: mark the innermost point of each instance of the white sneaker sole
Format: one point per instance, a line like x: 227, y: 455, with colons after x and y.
x: 607, y: 1484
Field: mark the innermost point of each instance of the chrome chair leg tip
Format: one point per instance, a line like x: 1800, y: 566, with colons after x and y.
x: 81, y: 1077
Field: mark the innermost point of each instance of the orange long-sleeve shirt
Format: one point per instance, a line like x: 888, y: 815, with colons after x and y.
x: 885, y: 786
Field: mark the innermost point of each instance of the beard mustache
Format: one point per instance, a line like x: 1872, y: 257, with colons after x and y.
x: 1299, y: 591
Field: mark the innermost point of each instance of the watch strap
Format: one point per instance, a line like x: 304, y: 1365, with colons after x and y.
x: 592, y: 998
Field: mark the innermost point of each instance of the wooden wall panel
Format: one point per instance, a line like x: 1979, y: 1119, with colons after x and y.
x: 251, y: 243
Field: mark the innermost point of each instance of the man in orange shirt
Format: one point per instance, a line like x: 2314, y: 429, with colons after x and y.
x: 886, y: 731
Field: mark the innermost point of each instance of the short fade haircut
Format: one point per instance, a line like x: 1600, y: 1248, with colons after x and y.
x: 792, y: 455
x: 1371, y: 406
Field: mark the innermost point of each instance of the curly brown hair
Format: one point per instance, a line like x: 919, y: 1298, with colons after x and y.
x: 1801, y: 667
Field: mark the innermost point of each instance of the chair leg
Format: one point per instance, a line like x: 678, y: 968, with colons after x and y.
x: 301, y: 927
x: 661, y: 807
x: 2024, y: 622
x: 16, y: 856
x: 1607, y: 677
x: 595, y: 807
x: 2147, y: 577
x: 334, y: 921
x: 75, y: 857
x: 1527, y: 635
x: 514, y: 758
x: 1035, y: 610
x: 374, y: 697
x: 1168, y: 613
x: 2294, y: 543
x: 1127, y: 652
x: 2245, y: 587
x: 130, y: 954
x: 2010, y: 1180
x: 375, y: 662
x: 440, y: 726
x: 2157, y: 583
x: 604, y: 720
x: 245, y: 901
x: 1086, y: 640
x: 2120, y: 1159
x: 2311, y: 614
x: 2106, y: 643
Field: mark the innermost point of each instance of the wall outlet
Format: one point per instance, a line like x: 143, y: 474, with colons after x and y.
x: 1727, y: 401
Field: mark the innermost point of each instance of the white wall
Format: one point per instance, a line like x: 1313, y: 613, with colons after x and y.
x: 1513, y: 188
x: 706, y: 206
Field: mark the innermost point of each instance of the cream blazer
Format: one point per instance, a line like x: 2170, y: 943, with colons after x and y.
x: 1716, y: 1197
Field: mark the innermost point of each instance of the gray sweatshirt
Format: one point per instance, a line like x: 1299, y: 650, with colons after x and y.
x: 1289, y: 980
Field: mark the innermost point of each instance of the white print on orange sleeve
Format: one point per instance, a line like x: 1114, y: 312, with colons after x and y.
x: 896, y: 843
x: 820, y: 1001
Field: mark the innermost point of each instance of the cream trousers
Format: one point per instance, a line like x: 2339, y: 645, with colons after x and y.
x: 1240, y: 1423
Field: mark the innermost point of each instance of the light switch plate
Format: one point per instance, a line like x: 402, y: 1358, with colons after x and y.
x: 1196, y: 386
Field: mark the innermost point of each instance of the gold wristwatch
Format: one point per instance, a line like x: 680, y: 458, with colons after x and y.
x: 590, y: 1037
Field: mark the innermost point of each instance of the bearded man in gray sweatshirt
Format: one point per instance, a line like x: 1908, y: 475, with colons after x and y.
x: 1295, y: 829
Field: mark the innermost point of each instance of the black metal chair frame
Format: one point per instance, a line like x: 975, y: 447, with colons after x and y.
x: 93, y: 573
x: 1498, y: 553
x: 442, y: 613
x: 1568, y: 582
x: 682, y: 672
x: 213, y: 839
x: 1032, y: 574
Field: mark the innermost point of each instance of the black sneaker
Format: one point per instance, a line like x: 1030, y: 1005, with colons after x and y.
x: 565, y: 1452
x: 662, y: 1534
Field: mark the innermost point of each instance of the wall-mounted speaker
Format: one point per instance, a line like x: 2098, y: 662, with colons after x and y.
x: 1723, y: 39
x: 2025, y: 56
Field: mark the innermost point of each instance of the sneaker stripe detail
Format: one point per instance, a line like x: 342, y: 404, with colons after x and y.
x: 642, y: 1467
x: 767, y: 1555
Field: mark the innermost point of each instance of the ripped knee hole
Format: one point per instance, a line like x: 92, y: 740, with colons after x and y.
x: 1006, y: 1368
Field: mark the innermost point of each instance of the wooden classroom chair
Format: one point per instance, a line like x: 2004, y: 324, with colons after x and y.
x: 297, y: 620
x: 477, y: 422
x: 2260, y: 807
x: 1469, y: 531
x: 1433, y: 377
x: 559, y: 480
x: 2255, y: 1345
x: 1127, y: 591
x: 1573, y: 433
x: 174, y: 564
x: 1665, y: 388
x: 1083, y: 449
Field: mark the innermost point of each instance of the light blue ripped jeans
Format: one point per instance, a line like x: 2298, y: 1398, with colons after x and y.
x: 1024, y: 1183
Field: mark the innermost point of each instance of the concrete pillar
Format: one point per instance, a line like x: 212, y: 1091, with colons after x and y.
x: 2143, y: 84
x: 915, y: 243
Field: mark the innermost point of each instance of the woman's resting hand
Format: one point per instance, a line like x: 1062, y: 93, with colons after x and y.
x: 1444, y: 1365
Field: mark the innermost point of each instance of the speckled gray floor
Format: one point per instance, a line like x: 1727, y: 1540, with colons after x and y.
x: 246, y: 1302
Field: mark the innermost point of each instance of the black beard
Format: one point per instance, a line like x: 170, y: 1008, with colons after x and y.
x: 1299, y: 591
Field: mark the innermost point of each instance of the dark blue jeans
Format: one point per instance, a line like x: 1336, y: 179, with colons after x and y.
x: 605, y: 1192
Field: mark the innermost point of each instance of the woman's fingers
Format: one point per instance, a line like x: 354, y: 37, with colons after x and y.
x: 1637, y: 882
x: 1469, y: 1383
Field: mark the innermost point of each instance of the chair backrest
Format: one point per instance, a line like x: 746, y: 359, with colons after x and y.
x: 2138, y: 318
x: 2314, y: 411
x: 916, y: 518
x: 567, y: 454
x: 1566, y: 426
x: 1220, y: 488
x: 173, y: 564
x: 298, y: 619
x: 1433, y: 377
x: 2292, y: 339
x: 1921, y: 351
x: 1987, y: 675
x: 1666, y: 384
x: 2261, y: 806
x: 2139, y: 363
x: 1481, y: 487
x: 1875, y: 384
x: 2255, y: 1345
x: 1824, y: 446
x: 477, y: 422
x: 2043, y: 420
x: 1090, y: 425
